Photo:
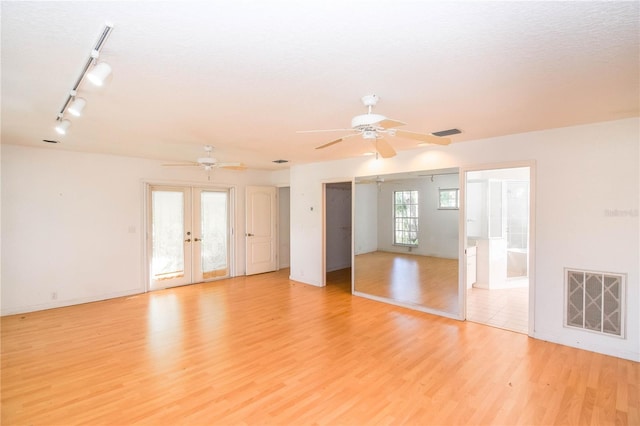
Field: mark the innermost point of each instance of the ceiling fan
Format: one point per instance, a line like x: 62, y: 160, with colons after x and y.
x: 375, y: 126
x: 209, y: 162
x: 377, y: 179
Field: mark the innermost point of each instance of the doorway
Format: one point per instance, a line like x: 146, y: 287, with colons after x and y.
x: 337, y: 235
x: 498, y: 217
x: 188, y: 231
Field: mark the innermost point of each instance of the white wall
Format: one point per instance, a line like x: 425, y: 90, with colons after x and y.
x: 72, y: 223
x: 582, y: 175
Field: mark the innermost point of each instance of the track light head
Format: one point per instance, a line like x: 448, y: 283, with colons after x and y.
x: 63, y: 126
x: 99, y: 73
x: 77, y: 106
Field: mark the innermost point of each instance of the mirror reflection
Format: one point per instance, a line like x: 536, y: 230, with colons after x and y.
x: 406, y: 239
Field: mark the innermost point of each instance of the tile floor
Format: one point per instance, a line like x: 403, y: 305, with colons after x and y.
x: 502, y: 308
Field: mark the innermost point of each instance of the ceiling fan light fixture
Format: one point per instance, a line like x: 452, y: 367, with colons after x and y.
x: 63, y: 126
x: 369, y: 134
x: 77, y: 106
x: 99, y: 73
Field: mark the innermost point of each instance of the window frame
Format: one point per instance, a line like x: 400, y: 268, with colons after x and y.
x: 457, y: 202
x: 407, y: 220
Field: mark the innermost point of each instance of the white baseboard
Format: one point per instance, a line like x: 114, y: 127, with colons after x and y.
x: 601, y: 349
x: 69, y: 302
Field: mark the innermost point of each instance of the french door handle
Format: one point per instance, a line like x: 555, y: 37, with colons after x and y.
x: 249, y: 235
x: 188, y: 240
x: 197, y: 239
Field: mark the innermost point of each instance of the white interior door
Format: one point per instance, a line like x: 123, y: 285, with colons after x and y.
x: 189, y: 237
x: 261, y: 214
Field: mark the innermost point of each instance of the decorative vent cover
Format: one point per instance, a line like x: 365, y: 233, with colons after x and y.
x: 595, y: 301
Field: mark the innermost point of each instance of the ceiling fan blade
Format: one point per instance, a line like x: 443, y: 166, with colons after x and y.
x: 385, y: 150
x: 338, y: 140
x: 190, y: 164
x: 330, y: 143
x: 388, y: 123
x: 423, y: 137
x: 232, y: 166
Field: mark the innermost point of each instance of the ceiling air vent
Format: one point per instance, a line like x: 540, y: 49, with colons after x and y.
x: 280, y: 161
x: 447, y: 132
x: 50, y: 141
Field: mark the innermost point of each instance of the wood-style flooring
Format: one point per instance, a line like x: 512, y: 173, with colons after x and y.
x: 265, y: 350
x: 426, y: 281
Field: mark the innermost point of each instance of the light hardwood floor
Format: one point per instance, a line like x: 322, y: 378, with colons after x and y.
x: 427, y: 281
x: 267, y: 350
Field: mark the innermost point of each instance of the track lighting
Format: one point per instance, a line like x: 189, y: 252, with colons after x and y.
x: 77, y: 106
x: 99, y: 73
x: 97, y: 76
x: 63, y: 126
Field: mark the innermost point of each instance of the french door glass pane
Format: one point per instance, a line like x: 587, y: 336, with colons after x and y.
x: 167, y: 234
x: 214, y: 233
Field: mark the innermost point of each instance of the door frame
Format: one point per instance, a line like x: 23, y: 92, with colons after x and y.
x: 146, y: 217
x: 531, y: 164
x: 323, y: 260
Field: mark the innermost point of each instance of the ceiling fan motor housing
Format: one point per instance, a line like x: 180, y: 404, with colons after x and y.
x: 366, y: 120
x: 207, y: 161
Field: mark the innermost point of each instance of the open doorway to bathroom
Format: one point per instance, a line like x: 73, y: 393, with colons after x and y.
x: 497, y: 247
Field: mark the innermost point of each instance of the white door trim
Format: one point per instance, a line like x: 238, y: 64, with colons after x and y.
x: 531, y: 164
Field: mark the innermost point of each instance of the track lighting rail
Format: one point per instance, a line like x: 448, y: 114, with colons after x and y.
x: 93, y: 57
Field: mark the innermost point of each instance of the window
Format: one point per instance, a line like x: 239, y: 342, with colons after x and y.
x: 405, y: 215
x: 449, y: 198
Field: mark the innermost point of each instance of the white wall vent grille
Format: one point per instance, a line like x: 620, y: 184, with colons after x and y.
x: 595, y: 301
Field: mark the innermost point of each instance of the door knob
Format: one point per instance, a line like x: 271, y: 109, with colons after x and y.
x: 188, y: 240
x: 197, y: 239
x: 249, y: 235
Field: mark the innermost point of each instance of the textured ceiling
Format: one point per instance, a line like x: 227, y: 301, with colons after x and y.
x: 244, y: 76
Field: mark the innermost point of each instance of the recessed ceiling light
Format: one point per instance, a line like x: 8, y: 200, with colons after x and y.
x: 369, y: 153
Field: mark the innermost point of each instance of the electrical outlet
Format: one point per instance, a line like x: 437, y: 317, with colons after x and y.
x: 54, y: 295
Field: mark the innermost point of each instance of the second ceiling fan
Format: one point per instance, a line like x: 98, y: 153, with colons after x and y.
x: 208, y: 163
x: 375, y: 126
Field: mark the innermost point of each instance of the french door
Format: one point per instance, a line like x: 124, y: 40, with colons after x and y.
x: 188, y: 235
